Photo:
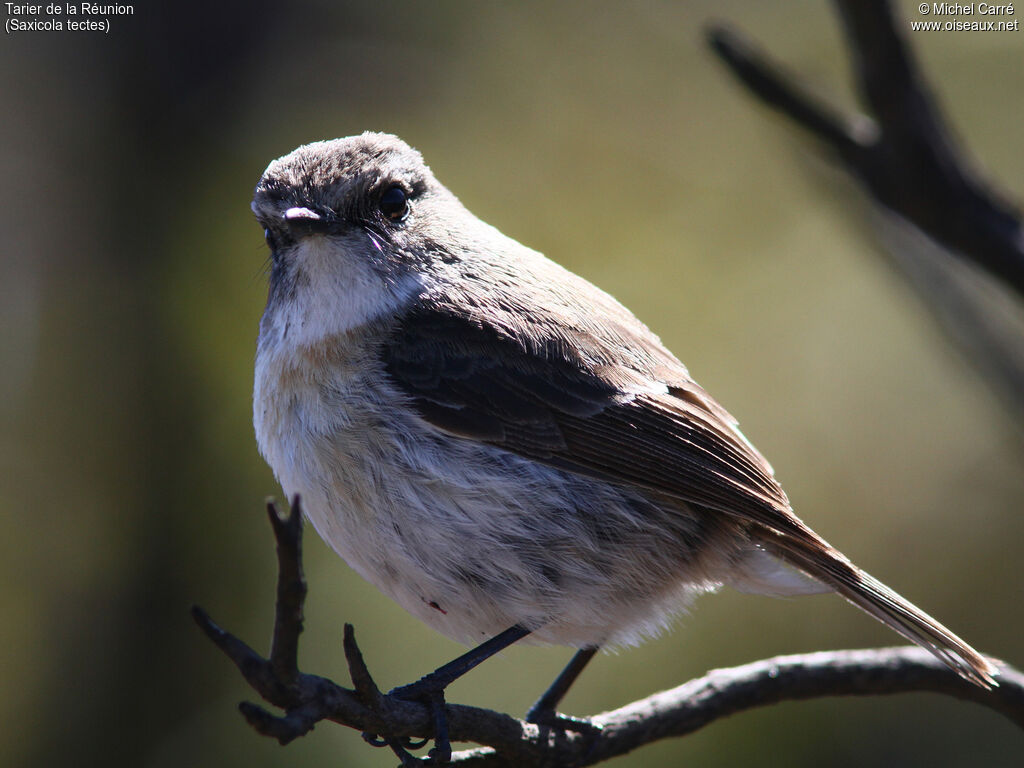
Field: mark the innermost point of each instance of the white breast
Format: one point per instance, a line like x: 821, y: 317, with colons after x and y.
x: 467, y: 537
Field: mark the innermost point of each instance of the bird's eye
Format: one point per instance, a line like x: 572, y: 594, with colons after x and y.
x: 270, y: 238
x: 394, y: 203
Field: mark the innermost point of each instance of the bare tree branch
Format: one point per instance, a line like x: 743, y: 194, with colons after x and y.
x: 508, y: 741
x: 957, y: 241
x: 291, y: 593
x: 904, y: 154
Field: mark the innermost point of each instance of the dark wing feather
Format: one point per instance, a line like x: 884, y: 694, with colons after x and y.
x: 579, y: 409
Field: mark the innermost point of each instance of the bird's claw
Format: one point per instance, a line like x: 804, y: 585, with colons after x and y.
x: 441, y: 754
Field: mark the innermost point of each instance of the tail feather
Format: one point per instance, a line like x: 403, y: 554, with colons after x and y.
x: 815, y: 557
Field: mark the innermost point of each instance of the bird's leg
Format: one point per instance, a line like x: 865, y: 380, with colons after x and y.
x: 429, y: 689
x: 543, y: 712
x: 444, y: 676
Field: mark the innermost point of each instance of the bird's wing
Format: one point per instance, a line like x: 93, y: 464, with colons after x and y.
x: 612, y: 403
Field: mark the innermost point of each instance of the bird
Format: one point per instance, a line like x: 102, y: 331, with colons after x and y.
x: 500, y: 446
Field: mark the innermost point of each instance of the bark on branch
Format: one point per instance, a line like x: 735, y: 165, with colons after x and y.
x: 507, y: 741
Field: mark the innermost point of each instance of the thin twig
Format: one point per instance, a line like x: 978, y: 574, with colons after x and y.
x: 291, y: 591
x: 308, y: 699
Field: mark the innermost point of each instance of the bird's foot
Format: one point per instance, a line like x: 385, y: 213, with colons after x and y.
x: 552, y: 719
x: 422, y: 692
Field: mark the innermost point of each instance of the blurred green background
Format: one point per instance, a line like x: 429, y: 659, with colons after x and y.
x: 603, y: 134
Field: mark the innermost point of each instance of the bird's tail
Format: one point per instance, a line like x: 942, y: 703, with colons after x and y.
x: 817, y: 558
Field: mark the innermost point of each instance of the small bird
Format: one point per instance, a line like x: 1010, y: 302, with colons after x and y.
x: 500, y: 446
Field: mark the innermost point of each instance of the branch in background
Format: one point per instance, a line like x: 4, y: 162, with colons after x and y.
x: 507, y: 741
x: 945, y: 227
x: 918, y: 171
x: 905, y: 155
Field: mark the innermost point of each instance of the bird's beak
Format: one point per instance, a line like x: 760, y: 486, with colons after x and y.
x: 304, y: 221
